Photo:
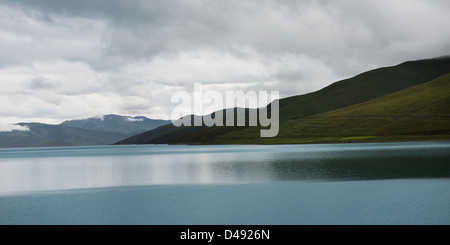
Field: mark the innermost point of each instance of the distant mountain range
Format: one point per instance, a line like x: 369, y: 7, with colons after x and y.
x: 409, y: 101
x: 91, y: 131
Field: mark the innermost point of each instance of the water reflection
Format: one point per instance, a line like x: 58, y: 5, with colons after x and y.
x: 89, y: 167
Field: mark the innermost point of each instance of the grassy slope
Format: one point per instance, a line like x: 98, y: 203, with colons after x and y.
x: 169, y: 133
x: 359, y: 89
x: 418, y: 112
x: 160, y: 135
x: 364, y: 87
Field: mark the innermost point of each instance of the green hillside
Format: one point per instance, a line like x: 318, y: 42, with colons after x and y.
x: 364, y: 87
x: 301, y: 118
x: 415, y: 113
x: 160, y: 135
x: 169, y: 133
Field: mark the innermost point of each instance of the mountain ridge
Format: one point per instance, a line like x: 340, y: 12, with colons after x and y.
x: 79, y: 132
x: 416, y: 113
x: 358, y: 89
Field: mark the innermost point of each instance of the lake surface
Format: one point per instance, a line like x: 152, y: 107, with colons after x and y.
x: 376, y: 183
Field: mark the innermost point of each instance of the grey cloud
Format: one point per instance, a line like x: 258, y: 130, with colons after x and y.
x: 113, y: 10
x: 291, y: 76
x: 327, y: 39
x: 136, y: 27
x: 40, y: 83
x: 341, y: 30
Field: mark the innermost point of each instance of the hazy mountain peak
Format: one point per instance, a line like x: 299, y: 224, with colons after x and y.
x: 96, y: 130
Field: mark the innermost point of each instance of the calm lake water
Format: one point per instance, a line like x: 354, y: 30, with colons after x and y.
x: 378, y: 183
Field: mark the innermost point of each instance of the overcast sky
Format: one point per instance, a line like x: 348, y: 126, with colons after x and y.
x: 63, y: 59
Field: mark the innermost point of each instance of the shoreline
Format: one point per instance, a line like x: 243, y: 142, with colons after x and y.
x: 331, y: 140
x: 287, y: 141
